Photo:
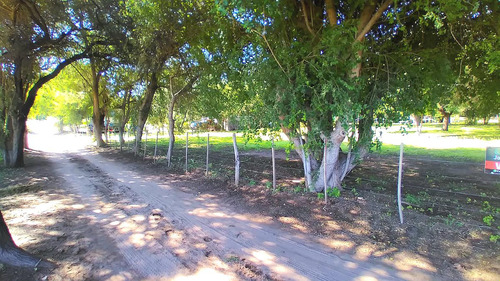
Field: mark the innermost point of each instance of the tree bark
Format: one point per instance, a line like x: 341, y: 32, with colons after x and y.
x: 12, y: 255
x: 146, y: 108
x: 14, y: 151
x: 446, y: 117
x: 96, y: 109
x: 418, y: 122
x: 126, y: 108
x: 171, y: 121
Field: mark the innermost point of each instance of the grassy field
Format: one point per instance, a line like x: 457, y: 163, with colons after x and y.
x: 226, y: 143
x: 220, y: 142
x: 458, y: 154
x: 483, y: 132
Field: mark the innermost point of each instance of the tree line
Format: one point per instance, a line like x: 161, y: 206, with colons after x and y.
x: 321, y: 72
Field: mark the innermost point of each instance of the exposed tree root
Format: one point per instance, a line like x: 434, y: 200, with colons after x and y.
x: 17, y: 257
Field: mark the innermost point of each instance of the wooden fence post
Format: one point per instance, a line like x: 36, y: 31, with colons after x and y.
x: 208, y: 149
x: 145, y: 144
x: 136, y: 148
x: 274, y: 163
x: 305, y: 160
x: 156, y: 145
x: 187, y: 144
x: 324, y: 171
x: 401, y: 148
x: 236, y: 162
x: 128, y: 139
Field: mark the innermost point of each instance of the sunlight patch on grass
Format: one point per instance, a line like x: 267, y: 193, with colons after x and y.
x: 483, y: 132
x: 461, y: 153
x: 218, y: 143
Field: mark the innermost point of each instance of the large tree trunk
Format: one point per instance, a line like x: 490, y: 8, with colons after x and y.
x: 446, y: 121
x: 171, y: 121
x: 418, y: 122
x: 335, y: 161
x: 97, y: 116
x: 125, y: 115
x: 120, y: 136
x: 14, y: 148
x: 446, y: 117
x: 12, y: 255
x: 145, y: 108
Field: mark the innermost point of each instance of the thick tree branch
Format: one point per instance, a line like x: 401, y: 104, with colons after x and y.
x: 361, y: 34
x: 306, y: 18
x: 30, y: 100
x: 37, y: 18
x: 272, y: 53
x: 331, y: 12
x: 46, y: 41
x: 186, y: 87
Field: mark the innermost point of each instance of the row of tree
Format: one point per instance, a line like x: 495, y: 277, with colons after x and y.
x: 319, y: 71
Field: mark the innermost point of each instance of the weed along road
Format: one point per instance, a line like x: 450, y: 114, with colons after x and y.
x: 165, y: 233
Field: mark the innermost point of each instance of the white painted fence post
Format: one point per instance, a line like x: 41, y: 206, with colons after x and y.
x: 274, y: 163
x: 187, y: 144
x: 324, y: 173
x: 236, y: 162
x: 136, y: 148
x: 145, y: 144
x: 156, y: 145
x: 208, y: 149
x: 400, y: 172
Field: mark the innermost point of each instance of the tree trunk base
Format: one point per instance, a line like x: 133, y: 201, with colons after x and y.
x: 17, y: 257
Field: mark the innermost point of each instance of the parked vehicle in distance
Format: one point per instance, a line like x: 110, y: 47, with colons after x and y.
x: 428, y: 119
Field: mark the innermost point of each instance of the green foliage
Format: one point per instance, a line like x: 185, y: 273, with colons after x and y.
x: 333, y: 192
x: 412, y: 199
x: 330, y: 192
x: 451, y: 221
x: 354, y: 192
x: 66, y: 97
x: 494, y: 237
x: 488, y: 220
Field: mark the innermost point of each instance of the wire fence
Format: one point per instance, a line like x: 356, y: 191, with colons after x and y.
x: 470, y: 194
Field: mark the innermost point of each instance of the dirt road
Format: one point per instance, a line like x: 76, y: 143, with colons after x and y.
x: 164, y: 233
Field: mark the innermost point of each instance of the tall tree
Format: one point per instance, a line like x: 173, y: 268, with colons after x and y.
x: 124, y: 95
x: 36, y: 43
x: 155, y: 39
x: 30, y: 32
x: 325, y: 70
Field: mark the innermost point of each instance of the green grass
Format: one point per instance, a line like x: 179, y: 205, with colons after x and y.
x: 459, y: 154
x: 226, y: 143
x: 220, y: 143
x: 483, y: 132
